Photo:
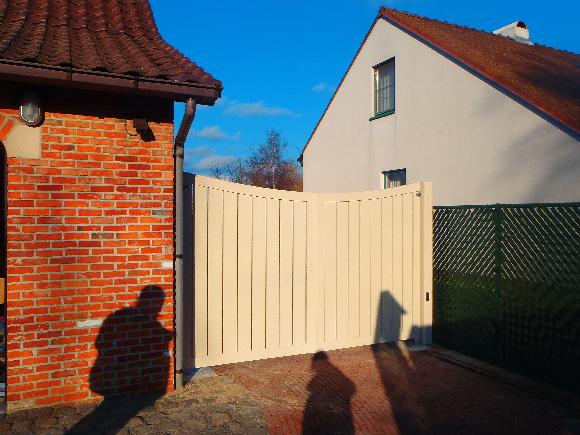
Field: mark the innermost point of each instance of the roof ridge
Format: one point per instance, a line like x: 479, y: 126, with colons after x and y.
x: 384, y: 11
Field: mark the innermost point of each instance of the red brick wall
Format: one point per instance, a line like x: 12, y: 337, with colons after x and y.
x: 89, y: 226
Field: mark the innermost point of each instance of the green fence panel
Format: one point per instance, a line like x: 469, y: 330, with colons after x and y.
x: 507, y: 287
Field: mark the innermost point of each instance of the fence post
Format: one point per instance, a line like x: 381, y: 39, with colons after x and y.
x: 427, y: 296
x: 498, y: 323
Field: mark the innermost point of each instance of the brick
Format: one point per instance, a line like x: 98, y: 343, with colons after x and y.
x: 80, y: 240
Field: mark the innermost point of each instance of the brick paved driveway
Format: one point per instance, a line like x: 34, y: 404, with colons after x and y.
x: 383, y: 389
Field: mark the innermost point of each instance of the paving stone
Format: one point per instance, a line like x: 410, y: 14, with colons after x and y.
x: 367, y: 389
x: 382, y: 389
x: 204, y: 407
x: 67, y: 420
x: 166, y: 405
x: 49, y: 431
x: 45, y: 422
x: 134, y: 422
x: 20, y: 427
x: 140, y: 430
x: 218, y: 419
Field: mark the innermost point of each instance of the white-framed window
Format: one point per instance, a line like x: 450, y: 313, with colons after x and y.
x: 384, y: 82
x: 394, y: 178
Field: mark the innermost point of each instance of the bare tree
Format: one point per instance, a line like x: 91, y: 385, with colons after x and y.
x: 265, y: 167
x: 230, y: 171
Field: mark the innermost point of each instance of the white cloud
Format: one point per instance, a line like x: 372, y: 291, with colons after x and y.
x: 211, y: 161
x: 255, y: 109
x: 323, y: 88
x: 320, y: 87
x: 194, y: 154
x: 215, y: 133
x: 203, y: 158
x: 203, y: 150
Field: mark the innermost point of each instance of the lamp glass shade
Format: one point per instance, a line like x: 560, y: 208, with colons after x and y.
x: 30, y: 110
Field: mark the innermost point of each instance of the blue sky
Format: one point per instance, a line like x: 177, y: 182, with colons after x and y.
x: 280, y: 62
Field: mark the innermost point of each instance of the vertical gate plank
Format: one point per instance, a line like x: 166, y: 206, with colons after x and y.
x: 407, y: 265
x: 245, y: 273
x: 376, y: 264
x: 365, y: 269
x: 286, y: 272
x: 230, y: 273
x: 272, y: 273
x: 354, y: 268
x: 397, y: 266
x: 342, y: 296
x: 214, y: 272
x: 200, y: 315
x: 416, y: 292
x: 388, y: 328
x: 329, y: 249
x: 299, y: 300
x: 259, y: 274
x: 313, y: 275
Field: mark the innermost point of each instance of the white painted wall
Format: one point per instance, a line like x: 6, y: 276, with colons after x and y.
x: 474, y: 143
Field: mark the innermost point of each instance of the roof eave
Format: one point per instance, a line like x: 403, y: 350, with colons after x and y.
x: 35, y: 74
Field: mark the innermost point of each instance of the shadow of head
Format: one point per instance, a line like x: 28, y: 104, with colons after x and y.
x: 318, y: 359
x: 151, y: 299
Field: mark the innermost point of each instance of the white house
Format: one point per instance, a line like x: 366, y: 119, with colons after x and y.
x: 487, y: 117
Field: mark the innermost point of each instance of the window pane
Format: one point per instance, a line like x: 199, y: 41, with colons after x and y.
x: 385, y: 87
x: 395, y: 178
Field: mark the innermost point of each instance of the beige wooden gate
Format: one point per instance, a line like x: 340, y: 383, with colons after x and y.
x: 278, y: 273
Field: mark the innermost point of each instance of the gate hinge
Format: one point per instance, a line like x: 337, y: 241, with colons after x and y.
x: 179, y: 256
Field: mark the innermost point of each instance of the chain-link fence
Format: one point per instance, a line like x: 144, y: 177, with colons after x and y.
x: 507, y: 287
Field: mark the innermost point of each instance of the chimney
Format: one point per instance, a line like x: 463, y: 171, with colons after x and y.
x: 517, y: 31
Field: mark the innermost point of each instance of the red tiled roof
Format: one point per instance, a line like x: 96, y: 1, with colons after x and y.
x: 101, y: 36
x: 544, y: 77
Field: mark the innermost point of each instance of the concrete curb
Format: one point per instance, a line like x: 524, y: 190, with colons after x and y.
x: 544, y: 391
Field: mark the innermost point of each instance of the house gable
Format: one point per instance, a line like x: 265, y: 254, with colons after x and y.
x: 449, y: 125
x: 542, y: 79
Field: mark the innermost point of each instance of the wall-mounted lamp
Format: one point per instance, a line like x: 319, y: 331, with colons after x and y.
x: 31, y: 111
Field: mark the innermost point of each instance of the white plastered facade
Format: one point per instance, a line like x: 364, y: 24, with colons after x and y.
x: 476, y: 144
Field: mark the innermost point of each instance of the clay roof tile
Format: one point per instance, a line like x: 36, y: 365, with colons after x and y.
x: 115, y: 36
x: 544, y: 77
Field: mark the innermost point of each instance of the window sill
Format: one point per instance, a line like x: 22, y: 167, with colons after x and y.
x: 381, y: 115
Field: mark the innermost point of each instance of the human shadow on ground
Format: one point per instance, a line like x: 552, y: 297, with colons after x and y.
x: 133, y: 361
x: 395, y: 364
x: 328, y: 408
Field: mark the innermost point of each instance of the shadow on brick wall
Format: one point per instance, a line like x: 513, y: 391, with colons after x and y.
x: 133, y: 360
